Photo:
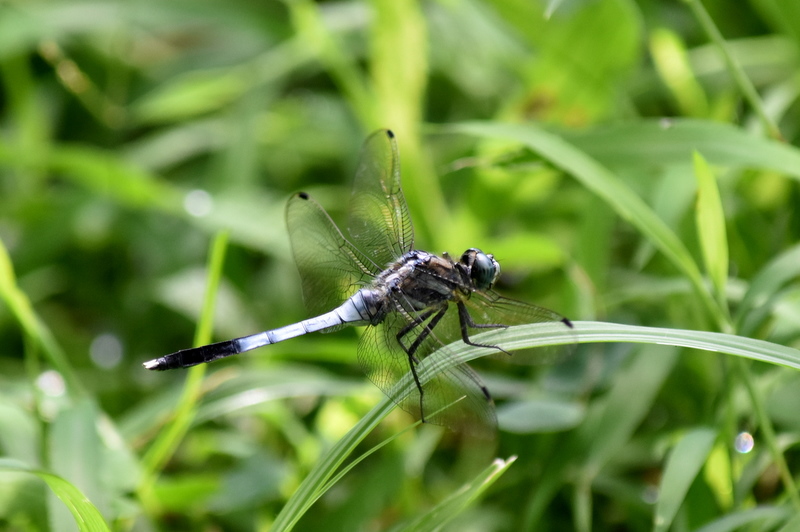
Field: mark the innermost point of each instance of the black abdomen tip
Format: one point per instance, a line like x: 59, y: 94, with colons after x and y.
x: 568, y: 323
x: 390, y: 133
x: 302, y: 195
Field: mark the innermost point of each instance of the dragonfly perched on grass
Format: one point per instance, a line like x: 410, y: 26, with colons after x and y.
x: 413, y: 302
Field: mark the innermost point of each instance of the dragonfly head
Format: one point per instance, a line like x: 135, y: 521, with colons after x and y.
x: 483, y: 270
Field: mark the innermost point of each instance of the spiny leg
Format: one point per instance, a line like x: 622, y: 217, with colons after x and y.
x: 465, y: 320
x: 412, y: 360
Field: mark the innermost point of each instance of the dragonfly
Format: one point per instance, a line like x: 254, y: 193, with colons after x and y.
x: 413, y: 303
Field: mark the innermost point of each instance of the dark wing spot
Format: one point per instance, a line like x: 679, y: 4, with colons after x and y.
x: 568, y: 323
x: 389, y: 133
x: 302, y: 195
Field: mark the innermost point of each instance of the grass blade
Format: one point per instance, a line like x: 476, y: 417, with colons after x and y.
x: 34, y: 328
x: 452, y: 506
x: 612, y: 190
x: 87, y: 517
x: 710, y: 220
x: 169, y: 439
x: 684, y: 464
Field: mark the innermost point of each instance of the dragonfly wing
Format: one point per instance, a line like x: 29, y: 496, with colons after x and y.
x: 331, y: 268
x: 379, y: 223
x: 488, y: 307
x: 453, y: 395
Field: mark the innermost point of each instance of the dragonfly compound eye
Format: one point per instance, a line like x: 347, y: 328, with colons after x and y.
x: 484, y: 271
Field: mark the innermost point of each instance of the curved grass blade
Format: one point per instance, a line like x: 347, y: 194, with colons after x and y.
x: 763, y: 287
x: 87, y: 516
x: 658, y: 143
x: 527, y: 336
x: 452, y: 506
x: 612, y: 190
x: 522, y: 337
x: 710, y: 220
x: 684, y: 464
x: 35, y: 329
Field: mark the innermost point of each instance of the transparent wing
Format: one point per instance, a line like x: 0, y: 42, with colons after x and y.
x: 490, y: 308
x: 469, y: 408
x: 379, y: 222
x: 331, y: 268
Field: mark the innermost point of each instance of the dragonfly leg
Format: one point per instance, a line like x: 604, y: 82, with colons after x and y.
x: 410, y: 350
x: 415, y: 321
x: 466, y: 321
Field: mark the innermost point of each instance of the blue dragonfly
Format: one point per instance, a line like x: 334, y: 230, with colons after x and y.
x: 414, y: 303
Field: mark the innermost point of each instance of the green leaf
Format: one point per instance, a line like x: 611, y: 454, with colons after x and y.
x: 673, y: 66
x: 525, y: 417
x: 452, y: 506
x: 76, y: 453
x: 171, y: 436
x: 656, y: 143
x: 710, y: 220
x: 763, y: 287
x: 20, y: 306
x: 527, y: 336
x: 760, y: 518
x: 606, y: 185
x: 87, y: 517
x: 683, y: 466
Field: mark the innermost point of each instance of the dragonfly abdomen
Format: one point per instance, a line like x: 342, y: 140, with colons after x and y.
x: 357, y: 310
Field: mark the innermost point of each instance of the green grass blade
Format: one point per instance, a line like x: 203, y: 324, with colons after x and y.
x: 609, y: 428
x: 20, y: 306
x: 527, y: 336
x: 791, y: 525
x: 671, y: 61
x: 399, y: 65
x: 654, y: 143
x: 605, y: 184
x: 735, y: 69
x: 523, y: 337
x: 313, y: 34
x: 87, y: 517
x: 763, y: 287
x: 684, y: 464
x: 452, y: 506
x: 317, y: 478
x: 710, y: 220
x: 169, y: 439
x: 759, y: 518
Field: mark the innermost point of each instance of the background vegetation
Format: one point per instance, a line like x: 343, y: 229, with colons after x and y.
x: 629, y: 162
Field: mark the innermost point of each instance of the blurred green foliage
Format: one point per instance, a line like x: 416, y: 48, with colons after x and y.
x: 627, y: 161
